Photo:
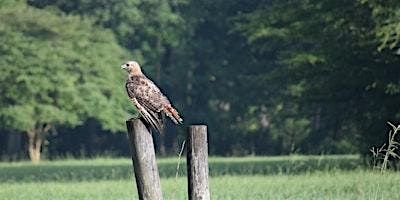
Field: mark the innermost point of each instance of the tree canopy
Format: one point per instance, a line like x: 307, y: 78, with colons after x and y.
x: 331, y: 56
x: 58, y: 69
x: 267, y: 77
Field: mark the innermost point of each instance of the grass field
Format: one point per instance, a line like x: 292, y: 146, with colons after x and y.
x: 294, y: 177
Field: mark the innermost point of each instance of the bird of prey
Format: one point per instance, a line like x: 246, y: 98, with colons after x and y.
x: 147, y: 97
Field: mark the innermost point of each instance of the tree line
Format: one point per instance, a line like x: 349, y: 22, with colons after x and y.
x: 267, y: 77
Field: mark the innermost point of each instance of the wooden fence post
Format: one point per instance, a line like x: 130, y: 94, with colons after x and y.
x: 144, y: 161
x: 197, y: 163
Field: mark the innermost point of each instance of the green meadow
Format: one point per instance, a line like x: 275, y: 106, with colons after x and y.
x: 286, y: 177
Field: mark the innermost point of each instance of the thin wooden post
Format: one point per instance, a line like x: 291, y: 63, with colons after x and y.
x: 197, y: 163
x: 144, y: 161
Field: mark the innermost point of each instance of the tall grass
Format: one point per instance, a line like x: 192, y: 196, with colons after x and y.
x: 282, y: 177
x: 120, y: 169
x: 334, y: 185
x: 381, y: 155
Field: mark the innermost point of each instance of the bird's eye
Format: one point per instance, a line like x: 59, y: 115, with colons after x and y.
x: 127, y: 64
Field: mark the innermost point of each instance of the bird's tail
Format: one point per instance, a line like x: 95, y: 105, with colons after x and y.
x: 173, y: 114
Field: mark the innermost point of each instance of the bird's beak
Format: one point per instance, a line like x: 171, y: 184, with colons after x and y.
x: 123, y: 66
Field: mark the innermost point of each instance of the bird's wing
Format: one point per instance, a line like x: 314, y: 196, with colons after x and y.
x: 149, y: 96
x: 152, y: 118
x: 152, y: 98
x: 143, y: 103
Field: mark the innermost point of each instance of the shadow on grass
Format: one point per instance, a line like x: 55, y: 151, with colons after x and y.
x: 92, y: 171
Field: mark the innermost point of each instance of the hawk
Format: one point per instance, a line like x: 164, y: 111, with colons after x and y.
x: 147, y: 97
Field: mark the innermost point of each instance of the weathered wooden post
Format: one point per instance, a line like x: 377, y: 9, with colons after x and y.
x: 144, y: 161
x: 197, y: 163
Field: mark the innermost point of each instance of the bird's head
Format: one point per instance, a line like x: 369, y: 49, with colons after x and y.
x: 132, y: 67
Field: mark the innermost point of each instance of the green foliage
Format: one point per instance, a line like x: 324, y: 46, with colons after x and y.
x: 291, y: 132
x: 147, y: 28
x: 150, y: 30
x: 270, y: 76
x: 58, y: 69
x: 386, y: 15
x: 345, y: 87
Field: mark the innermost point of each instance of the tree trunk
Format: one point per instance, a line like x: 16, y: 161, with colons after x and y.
x: 36, y: 137
x: 34, y: 145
